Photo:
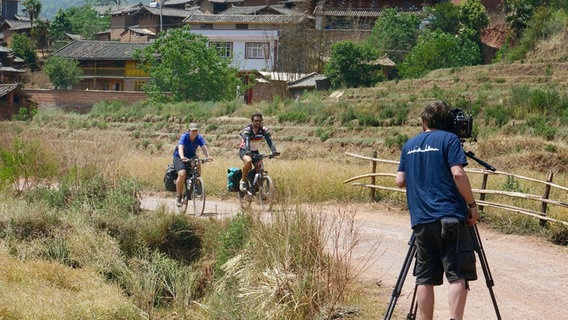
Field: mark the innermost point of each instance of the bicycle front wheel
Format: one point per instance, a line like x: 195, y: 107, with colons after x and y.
x: 265, y: 193
x: 198, y: 196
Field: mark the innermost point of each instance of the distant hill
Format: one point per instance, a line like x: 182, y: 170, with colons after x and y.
x: 50, y: 7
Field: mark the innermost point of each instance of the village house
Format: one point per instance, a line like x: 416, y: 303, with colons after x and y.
x: 106, y: 65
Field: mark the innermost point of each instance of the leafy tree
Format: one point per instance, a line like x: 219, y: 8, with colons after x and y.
x: 394, y: 33
x: 436, y: 50
x: 86, y: 21
x: 474, y: 16
x: 182, y: 63
x: 63, y: 72
x: 59, y: 26
x: 349, y: 65
x: 23, y: 47
x: 32, y: 8
x: 445, y: 16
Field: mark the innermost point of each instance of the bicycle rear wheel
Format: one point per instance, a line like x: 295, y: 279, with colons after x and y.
x: 198, y: 192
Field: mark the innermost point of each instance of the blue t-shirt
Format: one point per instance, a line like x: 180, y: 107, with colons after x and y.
x: 431, y: 191
x: 189, y: 147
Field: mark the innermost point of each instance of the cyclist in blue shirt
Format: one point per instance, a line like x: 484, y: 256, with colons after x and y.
x: 439, y: 199
x: 185, y: 150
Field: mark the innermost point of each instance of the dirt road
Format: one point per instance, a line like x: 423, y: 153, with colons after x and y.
x: 529, y: 273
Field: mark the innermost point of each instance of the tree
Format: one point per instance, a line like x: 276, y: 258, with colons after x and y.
x: 63, y: 72
x: 23, y: 47
x: 437, y: 49
x: 182, y: 63
x: 32, y: 8
x: 474, y: 17
x: 350, y: 65
x: 86, y: 21
x: 394, y: 33
x: 445, y: 17
x: 59, y: 26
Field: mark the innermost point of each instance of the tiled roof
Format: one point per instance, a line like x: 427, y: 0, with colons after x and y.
x: 18, y: 25
x: 226, y: 1
x: 122, y: 10
x: 7, y: 88
x: 100, y: 50
x: 142, y: 31
x: 347, y: 13
x: 176, y: 2
x: 165, y: 11
x: 279, y: 9
x: 309, y: 81
x: 244, y: 19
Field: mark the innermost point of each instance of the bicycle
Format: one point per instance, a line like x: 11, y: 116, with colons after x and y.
x: 194, y: 188
x: 259, y: 184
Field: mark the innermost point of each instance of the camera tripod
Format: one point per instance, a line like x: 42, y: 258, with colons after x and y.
x: 411, y: 254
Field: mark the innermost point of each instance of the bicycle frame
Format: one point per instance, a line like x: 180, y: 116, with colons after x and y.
x: 260, y: 185
x: 194, y: 187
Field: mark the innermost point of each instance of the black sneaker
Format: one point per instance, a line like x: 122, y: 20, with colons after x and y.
x: 178, y: 201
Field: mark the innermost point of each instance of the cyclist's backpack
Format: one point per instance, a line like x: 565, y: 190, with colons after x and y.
x: 170, y: 178
x: 233, y: 177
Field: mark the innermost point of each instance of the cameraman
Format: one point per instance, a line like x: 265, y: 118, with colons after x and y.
x: 442, y: 206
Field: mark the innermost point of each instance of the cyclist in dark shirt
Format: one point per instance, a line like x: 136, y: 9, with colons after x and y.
x: 252, y: 136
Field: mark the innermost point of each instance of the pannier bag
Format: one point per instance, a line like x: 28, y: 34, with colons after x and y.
x: 233, y: 177
x: 170, y: 178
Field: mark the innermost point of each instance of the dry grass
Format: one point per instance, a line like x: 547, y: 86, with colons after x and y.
x: 49, y: 290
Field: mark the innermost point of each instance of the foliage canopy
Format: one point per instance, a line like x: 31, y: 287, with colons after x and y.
x: 350, y: 65
x: 63, y: 72
x: 180, y: 62
x: 438, y: 49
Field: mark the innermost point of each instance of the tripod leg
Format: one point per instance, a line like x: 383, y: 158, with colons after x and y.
x: 413, y: 306
x: 401, y: 277
x: 484, y: 266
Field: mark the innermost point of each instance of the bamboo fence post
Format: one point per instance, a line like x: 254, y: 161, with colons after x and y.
x: 483, y: 187
x: 373, y: 179
x: 542, y: 222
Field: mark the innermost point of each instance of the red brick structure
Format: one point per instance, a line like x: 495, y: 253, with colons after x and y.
x: 81, y: 100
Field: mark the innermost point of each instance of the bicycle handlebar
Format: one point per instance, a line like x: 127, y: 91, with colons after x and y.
x: 264, y: 155
x: 198, y: 160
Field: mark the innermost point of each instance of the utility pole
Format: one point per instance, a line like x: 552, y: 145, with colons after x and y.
x: 161, y: 26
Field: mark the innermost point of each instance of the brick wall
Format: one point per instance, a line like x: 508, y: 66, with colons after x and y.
x: 80, y: 100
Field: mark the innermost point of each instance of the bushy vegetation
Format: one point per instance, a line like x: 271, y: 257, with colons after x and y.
x: 183, y: 64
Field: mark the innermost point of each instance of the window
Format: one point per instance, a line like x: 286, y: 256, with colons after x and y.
x: 225, y: 49
x: 139, y: 85
x: 256, y: 50
x: 206, y: 26
x: 241, y: 26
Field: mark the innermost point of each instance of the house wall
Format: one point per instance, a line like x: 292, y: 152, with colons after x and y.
x: 80, y: 99
x: 151, y: 22
x: 239, y: 38
x: 119, y: 24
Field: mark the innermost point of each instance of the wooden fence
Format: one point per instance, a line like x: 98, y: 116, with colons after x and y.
x: 544, y: 199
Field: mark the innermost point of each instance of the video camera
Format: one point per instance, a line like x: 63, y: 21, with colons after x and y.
x: 462, y: 124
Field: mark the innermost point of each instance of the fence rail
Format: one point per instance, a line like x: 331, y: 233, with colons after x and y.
x: 482, y: 192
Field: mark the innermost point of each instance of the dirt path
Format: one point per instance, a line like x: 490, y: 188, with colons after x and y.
x: 529, y: 273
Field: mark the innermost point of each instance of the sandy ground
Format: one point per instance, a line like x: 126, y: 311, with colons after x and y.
x: 529, y: 274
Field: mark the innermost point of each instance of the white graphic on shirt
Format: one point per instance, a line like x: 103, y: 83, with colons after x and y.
x: 418, y: 149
